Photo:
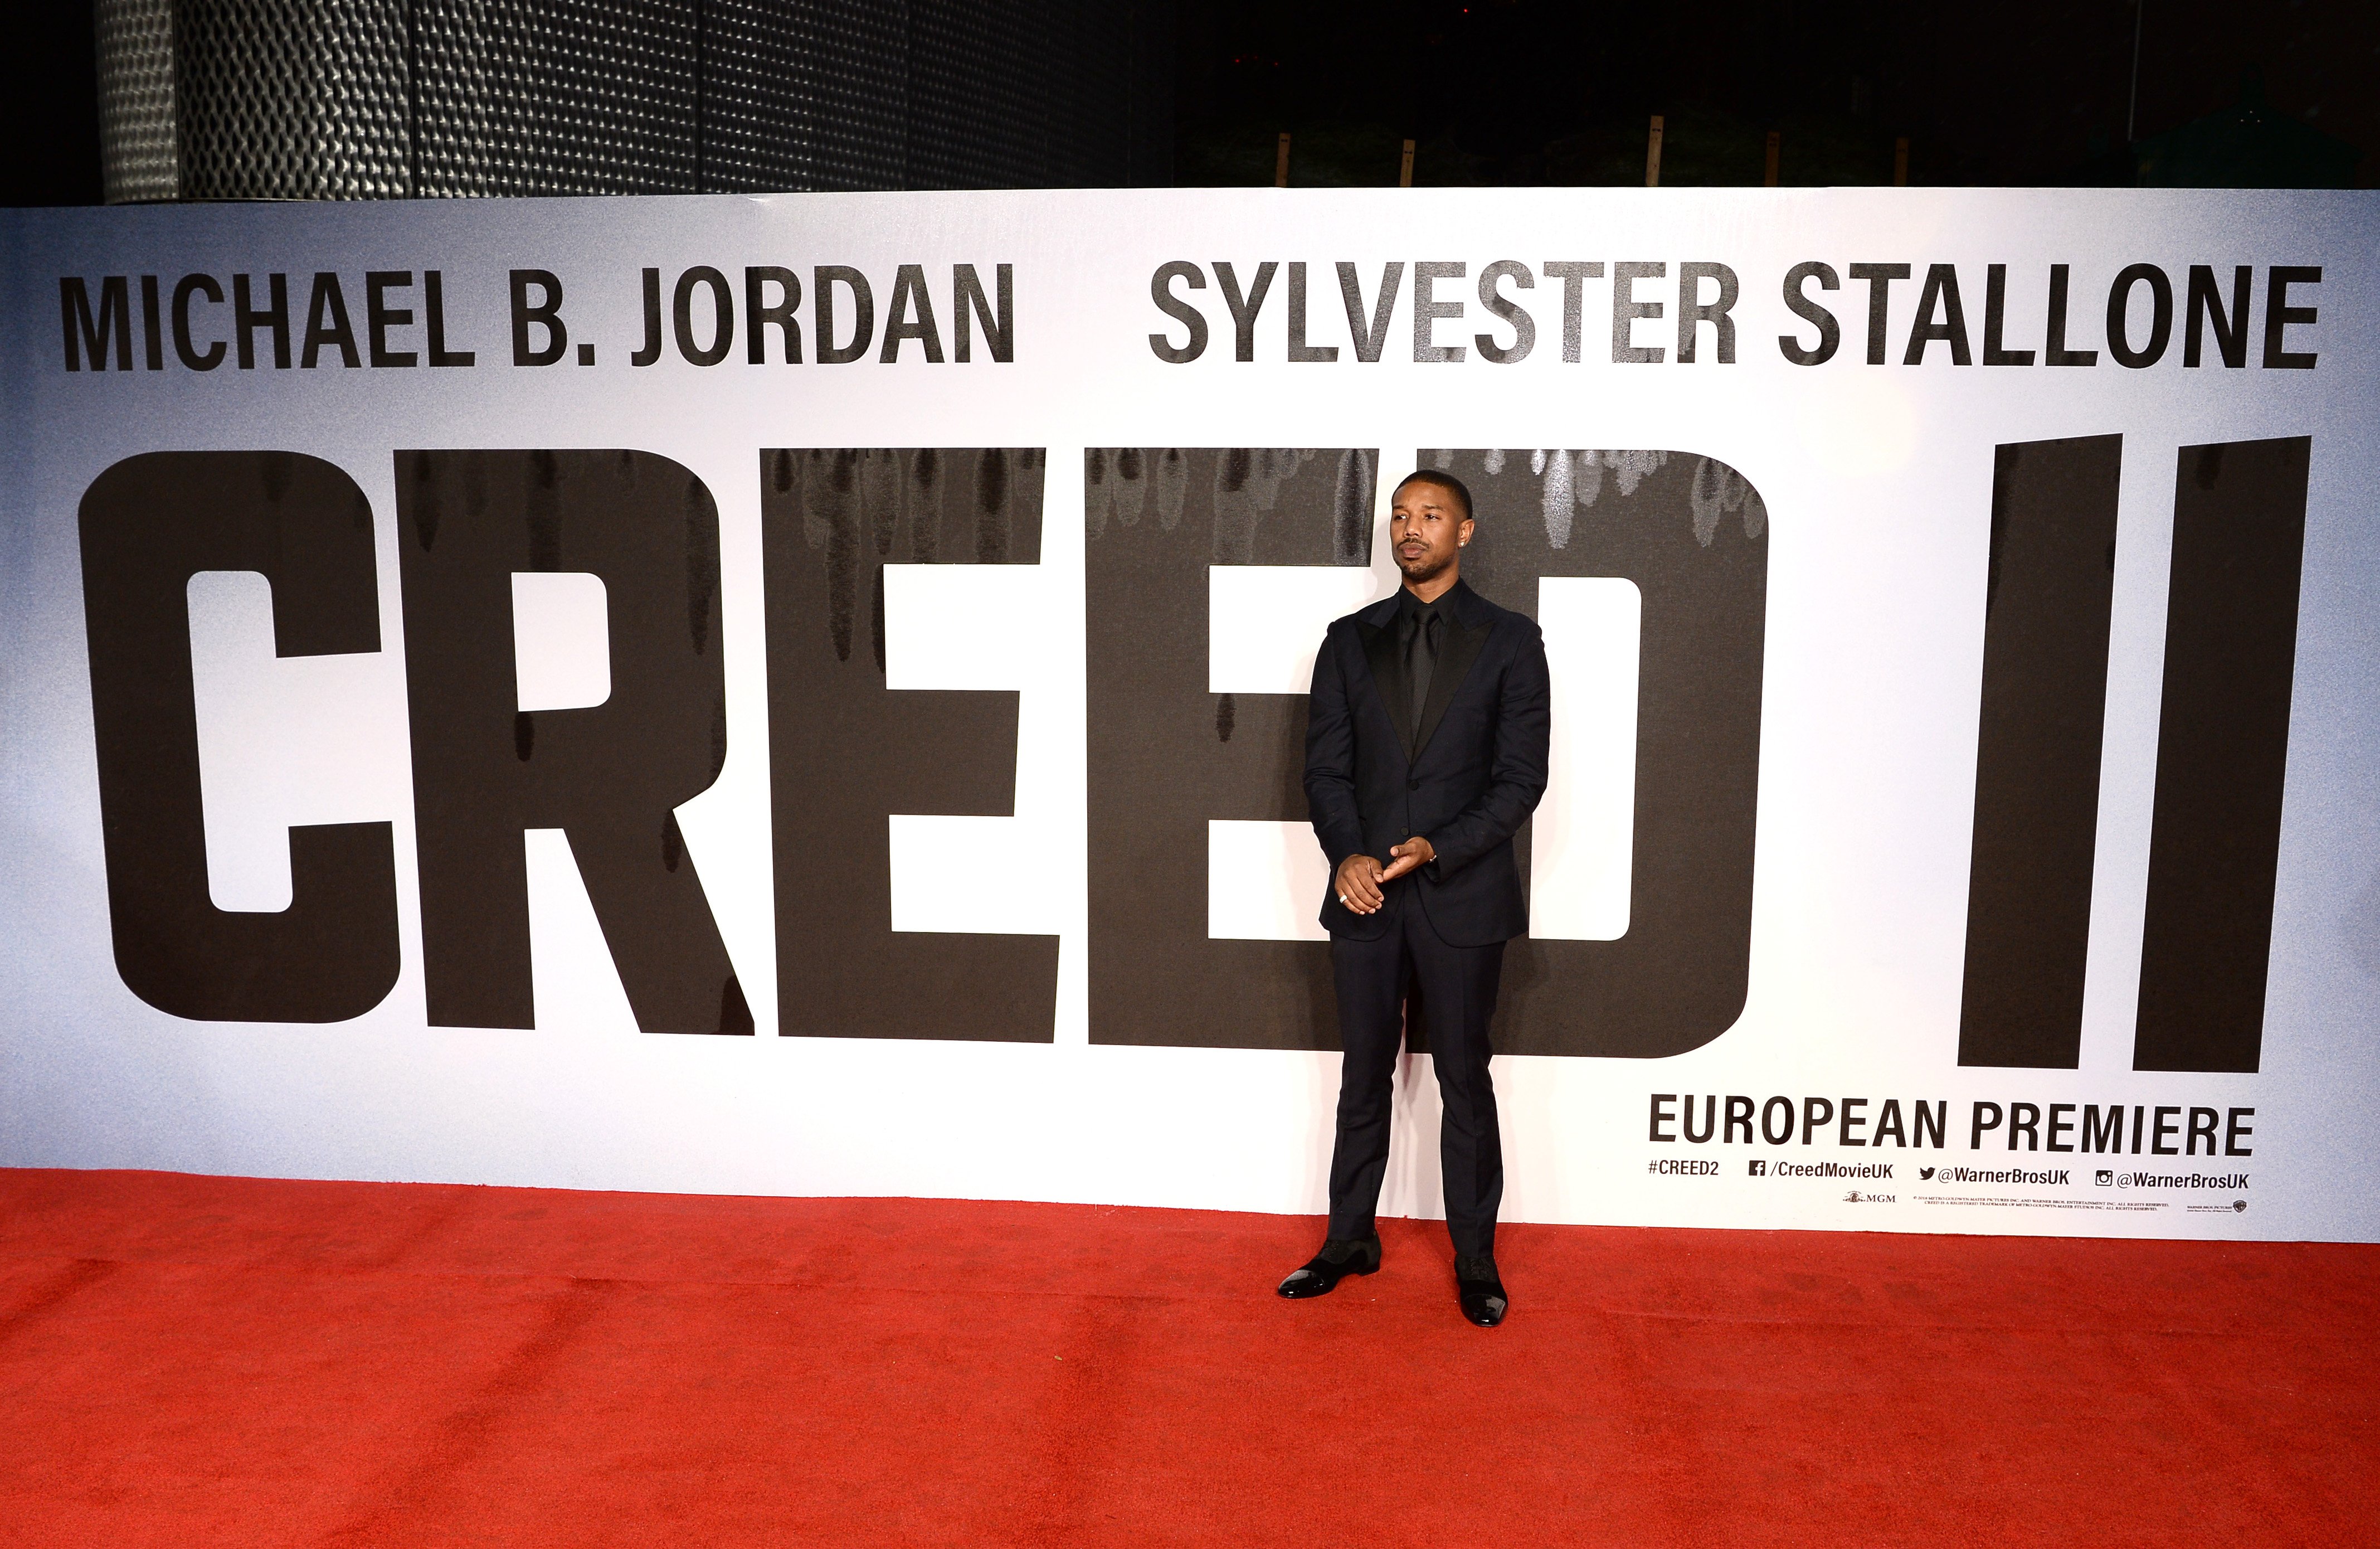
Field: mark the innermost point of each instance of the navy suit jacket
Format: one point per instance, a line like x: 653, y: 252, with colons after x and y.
x: 1466, y: 784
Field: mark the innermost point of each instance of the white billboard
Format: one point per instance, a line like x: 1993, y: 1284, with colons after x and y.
x: 802, y: 694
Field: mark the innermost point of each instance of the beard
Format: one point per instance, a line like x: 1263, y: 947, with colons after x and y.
x: 1426, y: 568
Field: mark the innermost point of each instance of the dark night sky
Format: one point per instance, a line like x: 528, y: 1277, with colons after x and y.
x: 1527, y: 92
x: 50, y: 97
x: 2019, y: 91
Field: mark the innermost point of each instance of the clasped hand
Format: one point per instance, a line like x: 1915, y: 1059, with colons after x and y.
x: 1361, y: 877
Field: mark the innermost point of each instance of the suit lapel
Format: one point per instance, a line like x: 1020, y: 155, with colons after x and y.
x: 1387, y: 675
x: 1454, y: 664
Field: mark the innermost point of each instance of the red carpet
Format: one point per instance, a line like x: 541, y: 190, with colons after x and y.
x: 189, y: 1361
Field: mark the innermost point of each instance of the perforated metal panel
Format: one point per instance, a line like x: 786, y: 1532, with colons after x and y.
x: 981, y: 96
x: 806, y: 94
x: 376, y: 98
x: 759, y: 111
x: 135, y: 45
x: 282, y: 98
x: 528, y: 97
x: 857, y: 92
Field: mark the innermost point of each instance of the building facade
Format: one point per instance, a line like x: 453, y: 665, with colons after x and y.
x: 396, y: 98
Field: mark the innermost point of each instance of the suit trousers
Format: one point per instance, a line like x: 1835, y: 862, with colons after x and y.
x: 1453, y: 989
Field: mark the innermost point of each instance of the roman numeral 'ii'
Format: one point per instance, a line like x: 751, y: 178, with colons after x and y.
x: 2239, y: 535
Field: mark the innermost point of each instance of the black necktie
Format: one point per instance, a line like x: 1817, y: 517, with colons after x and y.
x: 1421, y: 656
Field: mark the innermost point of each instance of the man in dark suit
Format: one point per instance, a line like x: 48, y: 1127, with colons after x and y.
x: 1426, y: 744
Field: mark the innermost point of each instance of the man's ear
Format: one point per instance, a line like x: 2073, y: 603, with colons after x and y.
x: 1462, y: 533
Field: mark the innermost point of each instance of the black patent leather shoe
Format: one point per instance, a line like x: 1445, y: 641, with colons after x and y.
x: 1339, y: 1258
x: 1481, y: 1291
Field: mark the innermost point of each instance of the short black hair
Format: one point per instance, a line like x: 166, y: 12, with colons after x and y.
x: 1444, y: 480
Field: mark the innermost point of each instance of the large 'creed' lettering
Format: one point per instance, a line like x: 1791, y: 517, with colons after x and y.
x: 611, y: 775
x: 1692, y: 534
x: 845, y: 753
x: 1167, y: 756
x: 147, y: 524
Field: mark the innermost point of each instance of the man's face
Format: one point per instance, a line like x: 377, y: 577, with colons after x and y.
x: 1425, y: 527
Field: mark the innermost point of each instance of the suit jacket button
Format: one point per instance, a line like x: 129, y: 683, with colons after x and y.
x: 1413, y: 785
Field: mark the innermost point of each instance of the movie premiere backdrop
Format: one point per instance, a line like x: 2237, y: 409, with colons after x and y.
x: 805, y: 694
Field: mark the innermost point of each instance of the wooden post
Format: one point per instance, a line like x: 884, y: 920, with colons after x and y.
x: 1280, y: 163
x: 1653, y: 154
x: 1404, y: 173
x: 1769, y: 180
x: 1900, y: 163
